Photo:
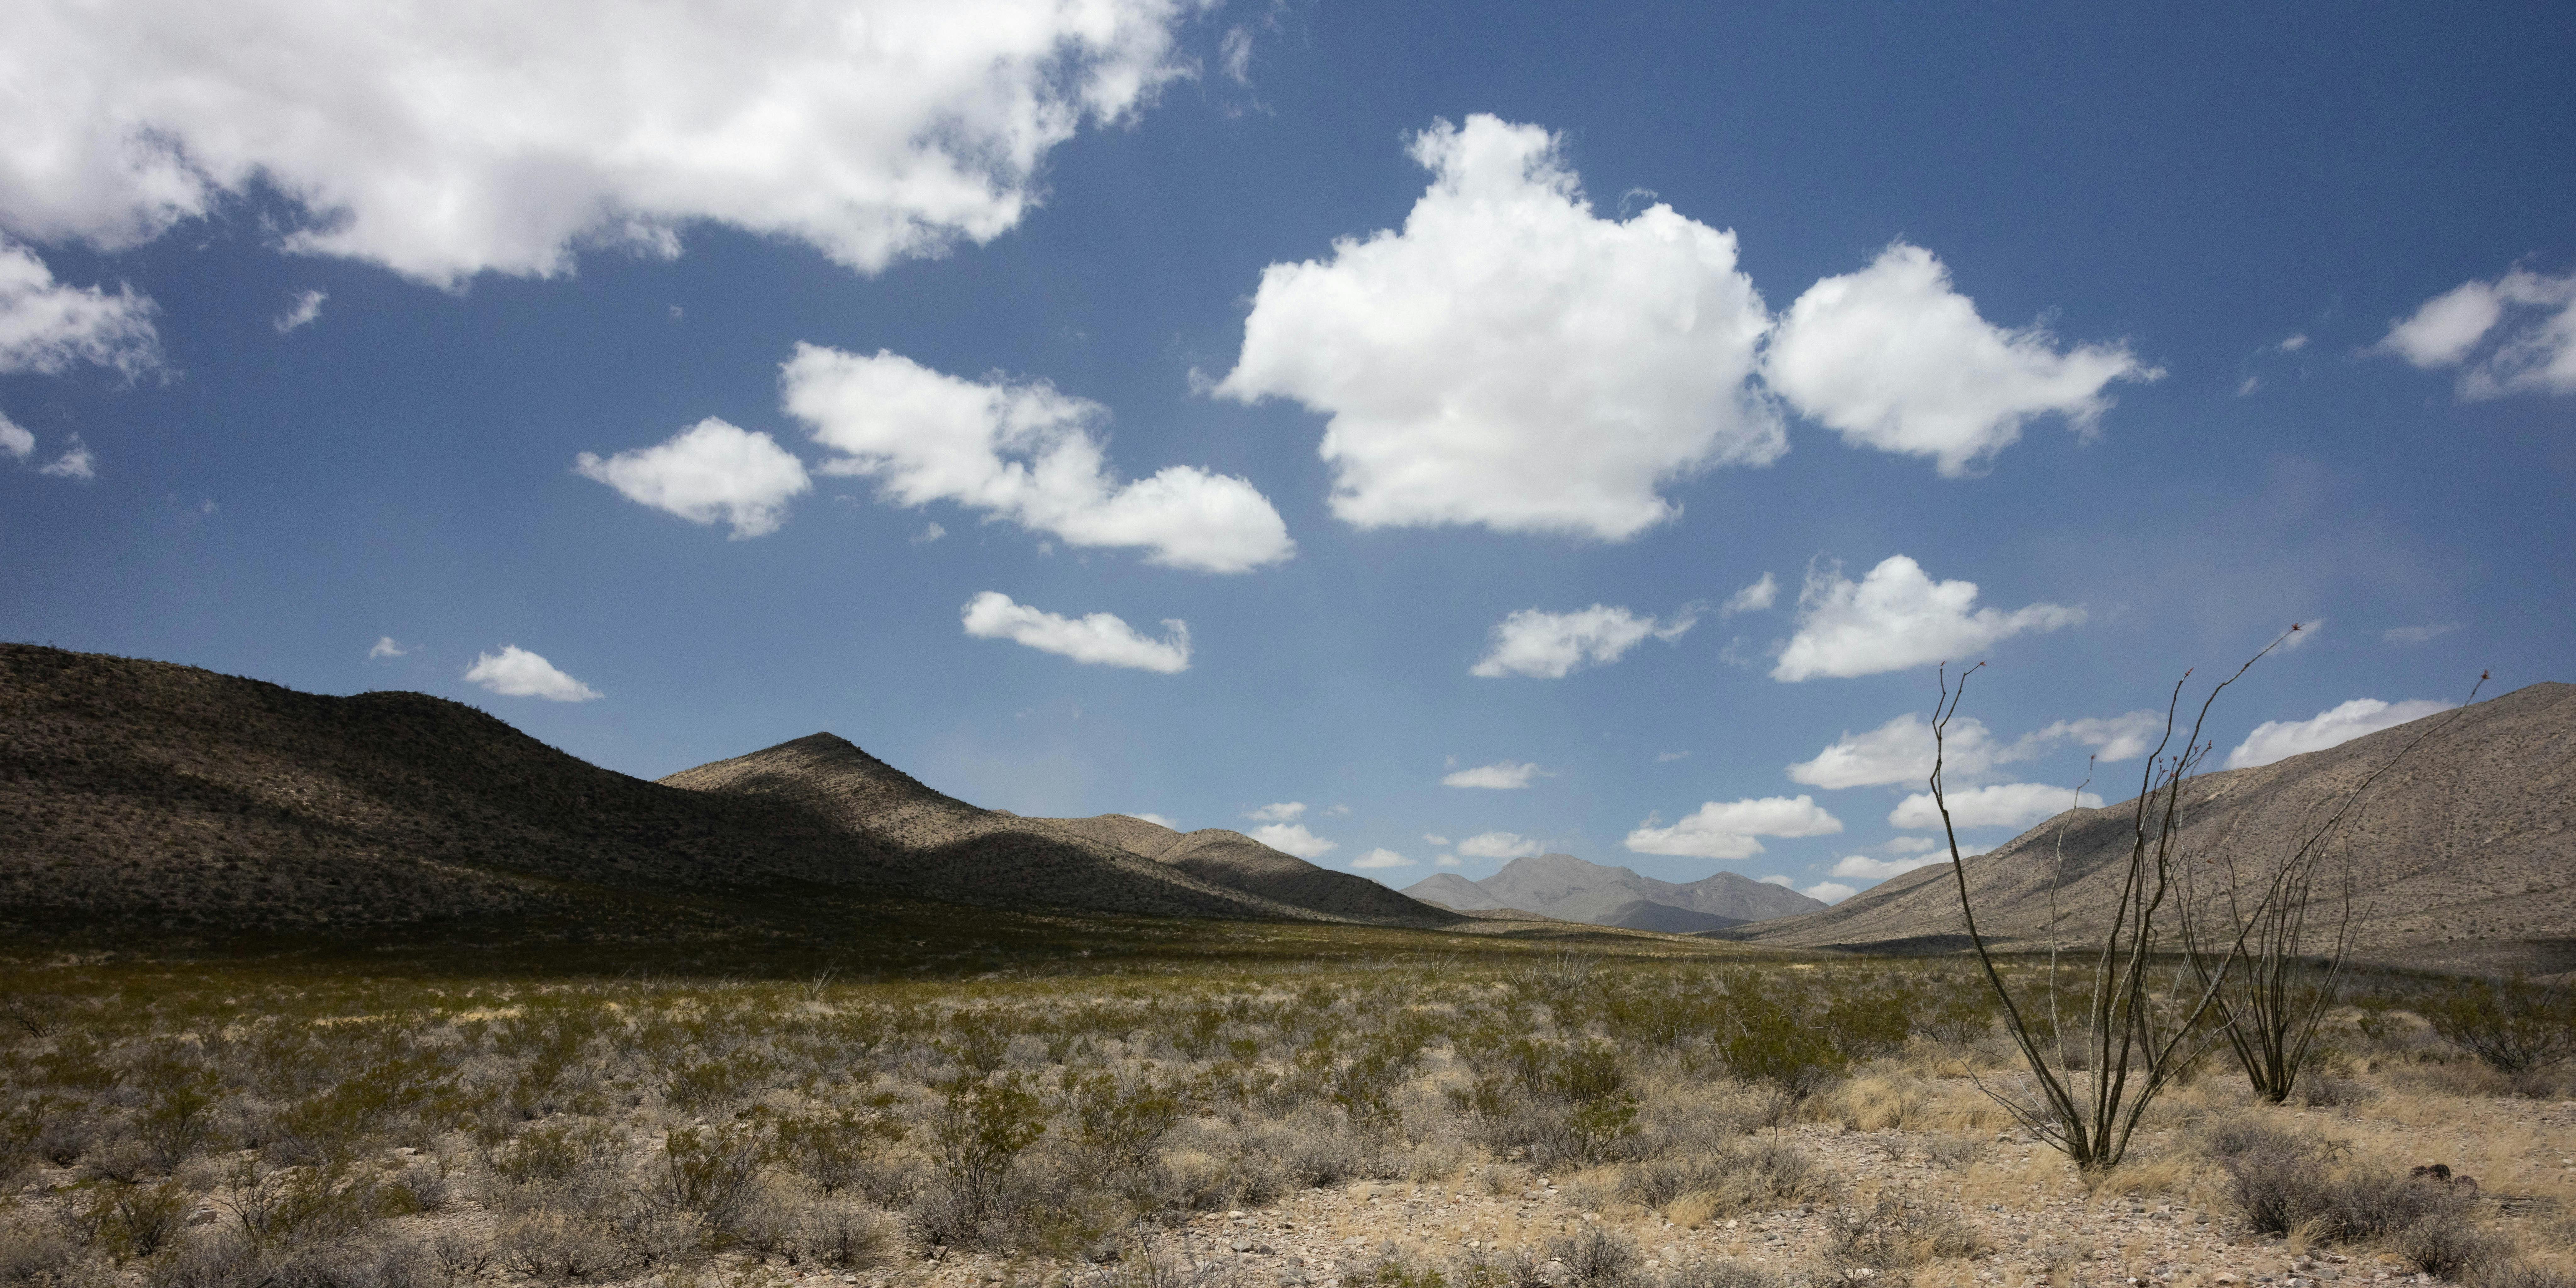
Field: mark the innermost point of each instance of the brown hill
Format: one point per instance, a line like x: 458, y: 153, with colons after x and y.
x: 136, y: 793
x: 2464, y: 854
x: 947, y: 849
x: 1238, y: 862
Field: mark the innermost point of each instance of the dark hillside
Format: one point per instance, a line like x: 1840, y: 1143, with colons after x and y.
x: 165, y: 797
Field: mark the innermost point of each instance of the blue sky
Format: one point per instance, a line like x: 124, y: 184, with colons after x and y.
x: 673, y: 386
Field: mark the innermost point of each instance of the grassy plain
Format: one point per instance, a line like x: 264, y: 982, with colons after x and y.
x: 969, y: 1098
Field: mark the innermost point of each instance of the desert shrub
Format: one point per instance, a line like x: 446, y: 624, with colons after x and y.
x: 177, y: 1119
x: 982, y: 1126
x: 131, y: 1221
x: 1566, y: 1103
x: 2446, y: 1246
x: 1717, y: 1274
x: 555, y: 1246
x: 553, y: 1154
x: 2281, y: 1182
x: 1594, y: 1257
x: 720, y: 1082
x: 1865, y: 1026
x: 299, y: 1204
x: 834, y: 1147
x: 423, y: 1185
x: 2519, y: 1274
x: 115, y: 1154
x: 230, y: 1261
x: 1955, y: 1009
x: 19, y: 1124
x: 63, y: 1130
x: 1896, y: 1234
x: 1770, y: 1042
x: 1763, y: 1174
x: 2515, y: 1026
x: 709, y: 1174
x: 1119, y: 1125
x: 459, y: 1256
x: 30, y: 1249
x: 1311, y: 1148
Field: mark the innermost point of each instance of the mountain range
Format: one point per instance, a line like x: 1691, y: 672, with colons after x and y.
x: 1571, y: 889
x: 2461, y: 855
x: 147, y: 794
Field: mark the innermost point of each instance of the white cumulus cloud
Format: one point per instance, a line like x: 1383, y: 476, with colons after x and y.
x: 708, y: 472
x: 385, y: 647
x: 75, y: 463
x: 1499, y: 845
x: 445, y: 140
x: 2112, y: 738
x: 1280, y: 812
x: 515, y: 672
x: 1502, y: 775
x: 1897, y: 617
x: 1448, y: 861
x: 1778, y: 879
x: 1900, y: 751
x: 1101, y: 639
x: 1381, y: 858
x: 1434, y: 838
x: 2281, y: 739
x: 1995, y: 805
x: 1829, y: 891
x: 306, y: 310
x: 16, y: 442
x: 1549, y: 646
x: 2522, y: 326
x: 1509, y: 358
x: 1756, y: 598
x: 47, y: 327
x: 1155, y: 819
x: 1021, y: 451
x: 1726, y: 829
x: 1892, y: 358
x: 1293, y: 838
x: 1861, y: 867
x: 1896, y: 752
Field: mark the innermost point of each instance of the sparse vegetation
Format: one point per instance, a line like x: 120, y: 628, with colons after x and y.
x: 221, y: 1125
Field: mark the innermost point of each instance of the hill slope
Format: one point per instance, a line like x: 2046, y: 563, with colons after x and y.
x: 2465, y: 853
x: 943, y: 848
x: 1237, y: 862
x: 1563, y: 886
x: 146, y: 794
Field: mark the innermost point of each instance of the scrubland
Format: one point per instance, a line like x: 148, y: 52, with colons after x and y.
x: 1499, y: 1116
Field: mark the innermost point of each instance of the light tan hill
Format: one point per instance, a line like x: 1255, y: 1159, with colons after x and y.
x: 947, y: 849
x: 2464, y: 853
x: 1126, y: 831
x: 1238, y: 862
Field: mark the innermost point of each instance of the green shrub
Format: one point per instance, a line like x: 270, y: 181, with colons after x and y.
x: 2515, y: 1026
x: 982, y: 1126
x: 129, y: 1222
x: 707, y: 1173
x: 1771, y: 1043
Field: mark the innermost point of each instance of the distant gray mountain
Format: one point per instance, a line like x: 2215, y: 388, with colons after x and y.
x: 1563, y: 886
x: 1454, y: 891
